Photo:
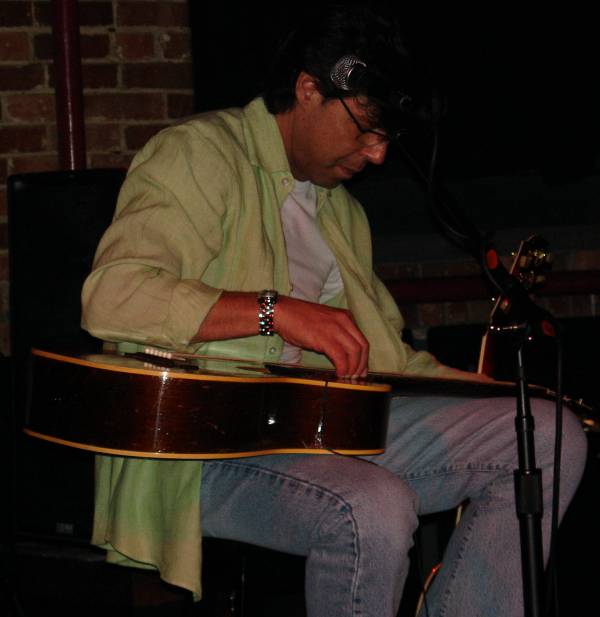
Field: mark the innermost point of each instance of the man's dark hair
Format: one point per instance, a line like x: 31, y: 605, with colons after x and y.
x: 324, y: 36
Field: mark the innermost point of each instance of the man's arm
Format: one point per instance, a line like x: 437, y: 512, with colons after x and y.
x: 304, y: 324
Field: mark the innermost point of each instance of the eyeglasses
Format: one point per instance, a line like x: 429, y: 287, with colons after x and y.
x: 367, y: 137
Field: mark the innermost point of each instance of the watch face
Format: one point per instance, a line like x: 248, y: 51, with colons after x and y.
x: 269, y: 294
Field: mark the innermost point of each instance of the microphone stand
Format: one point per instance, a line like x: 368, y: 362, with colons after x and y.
x: 528, y: 318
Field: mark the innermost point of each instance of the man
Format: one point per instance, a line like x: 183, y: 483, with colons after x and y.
x: 235, y: 237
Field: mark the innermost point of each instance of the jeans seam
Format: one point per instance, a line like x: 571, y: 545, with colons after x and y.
x: 451, y: 469
x: 457, y: 562
x: 345, y: 508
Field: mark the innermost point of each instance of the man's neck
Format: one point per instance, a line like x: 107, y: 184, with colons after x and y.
x: 286, y: 123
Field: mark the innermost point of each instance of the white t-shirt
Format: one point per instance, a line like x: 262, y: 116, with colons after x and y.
x: 313, y: 270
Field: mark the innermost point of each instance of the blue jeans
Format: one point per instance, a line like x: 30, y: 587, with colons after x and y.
x: 354, y: 518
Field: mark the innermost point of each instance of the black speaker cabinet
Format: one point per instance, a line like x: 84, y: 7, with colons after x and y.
x: 55, y: 222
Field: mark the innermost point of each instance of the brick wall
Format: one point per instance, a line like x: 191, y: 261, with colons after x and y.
x: 572, y: 289
x: 137, y: 78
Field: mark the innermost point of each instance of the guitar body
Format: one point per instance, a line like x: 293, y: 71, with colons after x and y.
x: 119, y: 405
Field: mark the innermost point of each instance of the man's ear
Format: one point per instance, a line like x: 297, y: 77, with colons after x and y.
x: 307, y: 91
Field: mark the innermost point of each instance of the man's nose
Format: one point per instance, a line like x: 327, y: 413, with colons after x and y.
x: 375, y: 153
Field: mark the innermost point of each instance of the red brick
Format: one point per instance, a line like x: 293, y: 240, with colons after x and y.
x: 5, y: 339
x: 30, y: 108
x: 110, y: 160
x: 95, y: 14
x: 433, y: 269
x: 103, y: 75
x: 135, y: 45
x: 450, y: 268
x: 586, y: 260
x: 25, y: 164
x: 103, y: 137
x: 25, y: 77
x: 95, y: 46
x: 163, y: 14
x: 3, y: 265
x: 14, y: 46
x: 15, y: 13
x: 4, y: 313
x: 176, y: 45
x: 456, y: 312
x: 180, y: 105
x: 480, y: 311
x: 3, y: 170
x: 582, y: 306
x: 432, y: 314
x: 99, y: 76
x: 559, y: 306
x: 89, y: 13
x: 410, y: 315
x: 43, y: 46
x: 163, y: 75
x: 390, y: 271
x: 3, y: 230
x: 136, y: 136
x: 43, y: 13
x: 51, y: 137
x: 560, y: 261
x: 4, y: 300
x: 138, y: 106
x: 22, y: 139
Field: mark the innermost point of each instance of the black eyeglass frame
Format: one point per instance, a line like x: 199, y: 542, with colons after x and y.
x: 383, y: 138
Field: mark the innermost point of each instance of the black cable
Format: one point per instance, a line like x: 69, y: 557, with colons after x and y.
x: 440, y: 211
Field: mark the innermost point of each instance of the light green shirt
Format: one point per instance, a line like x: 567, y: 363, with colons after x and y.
x: 200, y: 213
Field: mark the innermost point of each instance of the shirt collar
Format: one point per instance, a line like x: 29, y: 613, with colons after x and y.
x: 265, y: 144
x: 263, y: 138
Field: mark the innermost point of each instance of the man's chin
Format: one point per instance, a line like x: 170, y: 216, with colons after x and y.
x: 328, y: 183
x: 339, y: 175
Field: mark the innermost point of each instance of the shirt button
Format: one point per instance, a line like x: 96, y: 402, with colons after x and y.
x: 285, y: 181
x: 272, y: 350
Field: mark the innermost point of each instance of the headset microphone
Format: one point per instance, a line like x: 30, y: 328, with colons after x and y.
x: 347, y: 71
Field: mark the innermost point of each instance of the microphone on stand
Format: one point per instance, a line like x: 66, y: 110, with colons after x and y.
x: 526, y: 316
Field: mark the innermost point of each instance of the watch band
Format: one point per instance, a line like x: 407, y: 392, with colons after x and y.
x: 267, y: 299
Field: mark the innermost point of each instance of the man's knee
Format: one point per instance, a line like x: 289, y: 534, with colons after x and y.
x: 380, y: 510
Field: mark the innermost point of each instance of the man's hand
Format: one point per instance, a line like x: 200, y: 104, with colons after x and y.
x: 327, y: 330
x: 305, y: 324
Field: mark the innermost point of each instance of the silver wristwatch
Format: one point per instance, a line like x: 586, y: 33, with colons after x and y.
x: 267, y: 299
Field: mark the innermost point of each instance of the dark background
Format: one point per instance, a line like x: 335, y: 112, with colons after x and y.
x: 521, y: 89
x: 520, y: 132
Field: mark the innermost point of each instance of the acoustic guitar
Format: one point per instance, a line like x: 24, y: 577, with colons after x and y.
x: 147, y: 406
x: 194, y: 408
